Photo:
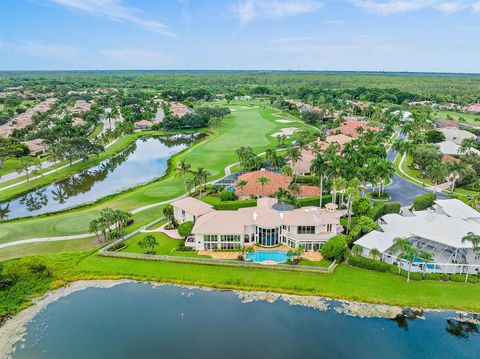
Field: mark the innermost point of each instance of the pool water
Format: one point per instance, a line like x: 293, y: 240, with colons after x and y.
x: 422, y: 261
x: 262, y: 256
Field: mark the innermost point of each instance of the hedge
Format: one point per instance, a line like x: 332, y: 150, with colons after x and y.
x: 370, y: 264
x: 424, y: 201
x: 380, y: 209
x: 314, y: 201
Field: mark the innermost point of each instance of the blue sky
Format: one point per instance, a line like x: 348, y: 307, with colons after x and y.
x: 372, y: 35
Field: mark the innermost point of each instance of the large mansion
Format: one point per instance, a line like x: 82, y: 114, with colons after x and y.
x: 269, y: 224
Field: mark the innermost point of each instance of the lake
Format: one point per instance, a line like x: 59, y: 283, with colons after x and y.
x: 138, y: 320
x: 142, y: 162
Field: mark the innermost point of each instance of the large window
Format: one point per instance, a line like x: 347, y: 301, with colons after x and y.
x: 210, y: 238
x: 306, y: 230
x: 268, y: 237
x: 230, y: 238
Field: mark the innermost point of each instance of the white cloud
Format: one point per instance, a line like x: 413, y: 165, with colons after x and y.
x: 250, y: 10
x: 117, y: 11
x: 387, y: 7
x: 476, y: 6
x: 132, y: 58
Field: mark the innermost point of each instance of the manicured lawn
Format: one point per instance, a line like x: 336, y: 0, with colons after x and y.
x: 166, y: 246
x: 247, y: 126
x: 321, y: 263
x: 43, y: 248
x: 461, y: 117
x: 346, y: 282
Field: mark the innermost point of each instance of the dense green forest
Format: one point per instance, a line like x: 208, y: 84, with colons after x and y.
x: 374, y: 86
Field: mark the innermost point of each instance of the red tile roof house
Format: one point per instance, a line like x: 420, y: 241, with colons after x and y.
x: 353, y: 128
x: 143, y: 125
x: 474, y: 108
x: 276, y: 181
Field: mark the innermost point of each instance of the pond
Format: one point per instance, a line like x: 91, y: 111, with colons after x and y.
x: 140, y: 320
x: 140, y: 163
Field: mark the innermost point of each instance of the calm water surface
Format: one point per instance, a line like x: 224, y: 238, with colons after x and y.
x: 137, y: 320
x: 142, y: 162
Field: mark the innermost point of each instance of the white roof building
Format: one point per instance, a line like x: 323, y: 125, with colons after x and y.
x: 439, y: 230
x: 456, y: 135
x: 451, y: 148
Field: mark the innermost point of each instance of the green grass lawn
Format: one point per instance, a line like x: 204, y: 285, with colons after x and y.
x: 346, y: 282
x: 247, y: 126
x: 321, y: 263
x: 473, y: 120
x: 166, y: 246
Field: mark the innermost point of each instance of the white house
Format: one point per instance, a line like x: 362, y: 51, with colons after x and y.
x: 451, y: 148
x: 456, y: 135
x: 269, y: 224
x: 438, y: 230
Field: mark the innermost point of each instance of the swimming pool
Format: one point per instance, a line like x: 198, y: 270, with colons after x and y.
x: 262, y: 256
x: 422, y: 261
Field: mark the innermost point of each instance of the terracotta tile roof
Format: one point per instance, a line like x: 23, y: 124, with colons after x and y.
x: 36, y: 145
x: 309, y: 191
x: 77, y: 121
x: 474, y: 107
x: 350, y: 128
x: 447, y: 123
x: 448, y: 158
x: 252, y: 187
x: 143, y: 124
x: 303, y: 166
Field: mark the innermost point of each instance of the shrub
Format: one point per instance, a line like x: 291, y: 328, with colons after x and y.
x: 363, y: 226
x: 361, y: 206
x: 380, y: 209
x: 457, y: 277
x: 183, y: 248
x: 185, y: 229
x: 334, y: 248
x: 234, y: 205
x: 129, y: 222
x: 436, y: 276
x: 370, y: 264
x: 424, y: 201
x: 226, y: 195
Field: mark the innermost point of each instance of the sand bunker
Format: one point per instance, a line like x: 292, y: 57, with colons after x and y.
x: 283, y: 121
x: 288, y: 131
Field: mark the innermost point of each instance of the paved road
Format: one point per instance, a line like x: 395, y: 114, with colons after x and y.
x: 403, y: 191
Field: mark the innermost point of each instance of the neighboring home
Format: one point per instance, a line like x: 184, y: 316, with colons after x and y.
x: 269, y: 224
x: 179, y: 109
x: 420, y: 103
x: 404, y: 115
x: 438, y: 230
x: 80, y: 107
x: 302, y: 167
x: 451, y: 148
x: 254, y: 188
x: 448, y: 158
x: 143, y: 125
x: 447, y: 123
x: 244, y: 97
x: 77, y: 121
x: 25, y: 119
x: 456, y: 135
x: 474, y: 108
x: 304, y: 107
x: 189, y: 209
x: 37, y: 147
x: 354, y: 128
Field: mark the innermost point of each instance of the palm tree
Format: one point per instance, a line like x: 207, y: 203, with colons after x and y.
x: 60, y: 195
x: 54, y: 155
x: 4, y: 211
x: 148, y: 243
x: 286, y: 170
x: 385, y: 170
x: 189, y: 184
x: 183, y: 168
x: 427, y: 257
x: 94, y: 227
x: 241, y: 184
x: 263, y: 181
x: 294, y: 188
x: 407, y: 251
x: 437, y: 172
x: 375, y: 253
x: 167, y: 211
x: 319, y: 166
x: 352, y: 192
x: 357, y: 250
x: 294, y: 155
x: 281, y: 194
x: 474, y: 240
